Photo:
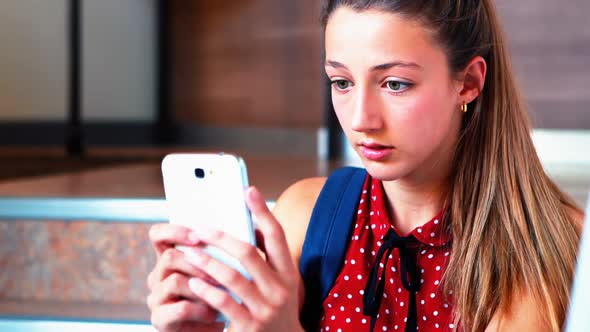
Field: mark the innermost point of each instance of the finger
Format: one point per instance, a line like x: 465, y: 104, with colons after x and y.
x: 232, y: 279
x: 171, y: 315
x: 163, y: 236
x: 174, y: 260
x: 172, y: 289
x: 220, y: 300
x: 275, y: 242
x: 263, y: 275
x: 171, y: 261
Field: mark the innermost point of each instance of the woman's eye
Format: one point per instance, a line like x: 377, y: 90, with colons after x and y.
x: 342, y: 84
x: 397, y: 86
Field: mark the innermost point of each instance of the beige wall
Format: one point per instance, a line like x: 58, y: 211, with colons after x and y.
x: 32, y: 60
x: 118, y: 60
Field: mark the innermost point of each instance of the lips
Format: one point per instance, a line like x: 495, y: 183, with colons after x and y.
x: 375, y: 151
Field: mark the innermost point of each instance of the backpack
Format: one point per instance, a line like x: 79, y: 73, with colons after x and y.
x: 326, y: 240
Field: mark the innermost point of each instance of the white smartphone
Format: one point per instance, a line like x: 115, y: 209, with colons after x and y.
x: 207, y: 190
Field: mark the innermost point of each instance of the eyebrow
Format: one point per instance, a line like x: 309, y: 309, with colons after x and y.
x: 381, y: 67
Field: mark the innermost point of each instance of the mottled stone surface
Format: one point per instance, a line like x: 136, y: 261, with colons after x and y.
x: 74, y: 261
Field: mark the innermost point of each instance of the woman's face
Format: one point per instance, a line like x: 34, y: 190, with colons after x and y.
x: 393, y: 94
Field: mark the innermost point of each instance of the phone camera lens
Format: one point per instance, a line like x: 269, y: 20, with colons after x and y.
x: 199, y: 173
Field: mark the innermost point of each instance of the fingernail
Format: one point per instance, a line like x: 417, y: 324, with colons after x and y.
x: 255, y: 194
x: 196, y: 285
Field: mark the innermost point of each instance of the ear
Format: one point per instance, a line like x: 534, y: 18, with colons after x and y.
x: 471, y: 79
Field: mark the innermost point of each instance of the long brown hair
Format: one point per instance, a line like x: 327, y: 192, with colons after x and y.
x: 513, y: 233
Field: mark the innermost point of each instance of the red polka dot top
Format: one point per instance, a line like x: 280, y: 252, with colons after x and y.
x: 403, y: 304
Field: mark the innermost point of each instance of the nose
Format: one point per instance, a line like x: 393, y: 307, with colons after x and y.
x: 367, y: 113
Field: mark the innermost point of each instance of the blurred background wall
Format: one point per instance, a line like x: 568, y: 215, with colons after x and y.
x: 253, y: 63
x: 118, y: 60
x: 550, y: 47
x: 240, y: 68
x: 33, y: 60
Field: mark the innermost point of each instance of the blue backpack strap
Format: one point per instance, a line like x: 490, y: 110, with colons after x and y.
x: 326, y: 239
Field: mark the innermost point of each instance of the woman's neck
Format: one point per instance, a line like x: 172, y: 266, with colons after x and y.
x: 412, y: 203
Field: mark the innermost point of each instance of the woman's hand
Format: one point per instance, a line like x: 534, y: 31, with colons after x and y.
x: 270, y: 299
x: 173, y: 306
x: 184, y: 293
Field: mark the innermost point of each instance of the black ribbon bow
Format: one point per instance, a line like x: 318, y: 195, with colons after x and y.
x: 409, y: 273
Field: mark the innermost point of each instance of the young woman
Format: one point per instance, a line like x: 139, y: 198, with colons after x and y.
x: 426, y: 96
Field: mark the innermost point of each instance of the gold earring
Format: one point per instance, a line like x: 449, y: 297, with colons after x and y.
x: 464, y: 108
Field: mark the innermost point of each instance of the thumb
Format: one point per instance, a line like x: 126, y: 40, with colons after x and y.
x: 275, y: 242
x: 256, y: 202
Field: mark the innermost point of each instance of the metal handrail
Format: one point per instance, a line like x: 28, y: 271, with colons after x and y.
x: 145, y: 210
x: 57, y: 325
x: 102, y: 209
